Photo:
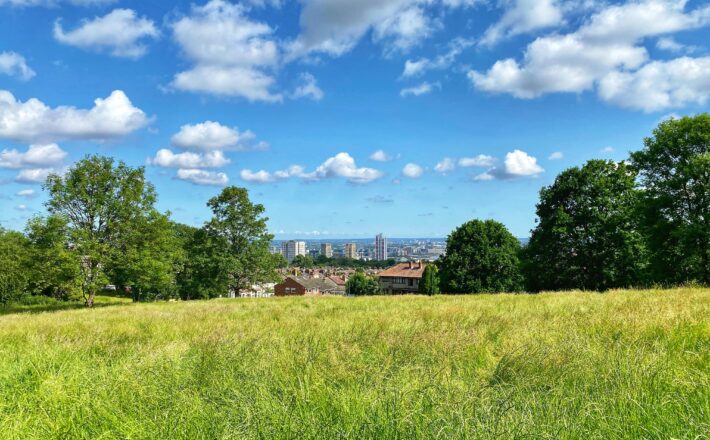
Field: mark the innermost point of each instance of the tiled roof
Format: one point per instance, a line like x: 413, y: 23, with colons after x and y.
x: 403, y: 270
x: 322, y: 284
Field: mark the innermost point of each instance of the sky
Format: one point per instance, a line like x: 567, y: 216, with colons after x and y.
x: 344, y: 118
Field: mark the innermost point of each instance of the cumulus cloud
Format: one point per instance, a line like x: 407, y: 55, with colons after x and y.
x: 232, y: 54
x: 412, y: 171
x: 121, y: 32
x: 381, y: 156
x: 53, y: 3
x: 341, y: 165
x: 34, y: 175
x: 35, y: 156
x: 417, y: 67
x: 14, y: 64
x: 202, y: 177
x: 446, y: 165
x: 211, y: 135
x: 608, y: 43
x: 26, y: 193
x: 659, y: 85
x: 522, y: 16
x: 482, y: 160
x: 517, y: 163
x: 557, y: 155
x: 34, y: 122
x: 167, y: 159
x: 308, y: 88
x: 421, y: 89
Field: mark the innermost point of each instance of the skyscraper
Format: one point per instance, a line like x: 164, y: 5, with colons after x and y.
x: 380, y: 247
x: 326, y: 249
x: 290, y: 249
x: 351, y: 250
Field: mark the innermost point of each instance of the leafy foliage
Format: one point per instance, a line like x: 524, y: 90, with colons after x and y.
x: 361, y: 284
x: 674, y: 170
x: 429, y: 283
x: 302, y: 261
x: 587, y: 235
x: 481, y: 256
x: 13, y: 262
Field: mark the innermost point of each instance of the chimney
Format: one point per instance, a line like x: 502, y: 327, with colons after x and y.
x: 411, y: 264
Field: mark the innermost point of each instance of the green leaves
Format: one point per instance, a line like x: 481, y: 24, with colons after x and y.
x: 361, y: 284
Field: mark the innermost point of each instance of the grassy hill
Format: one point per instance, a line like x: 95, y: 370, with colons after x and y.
x: 626, y: 364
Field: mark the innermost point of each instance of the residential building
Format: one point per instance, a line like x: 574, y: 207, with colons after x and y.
x: 295, y: 286
x: 326, y: 250
x: 380, y: 247
x: 401, y: 278
x: 351, y: 250
x: 292, y: 248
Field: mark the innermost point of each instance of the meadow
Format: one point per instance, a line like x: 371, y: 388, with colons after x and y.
x: 621, y: 364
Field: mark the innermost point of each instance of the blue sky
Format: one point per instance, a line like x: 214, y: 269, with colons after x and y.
x: 344, y: 118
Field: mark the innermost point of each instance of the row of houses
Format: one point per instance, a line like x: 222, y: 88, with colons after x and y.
x: 402, y: 278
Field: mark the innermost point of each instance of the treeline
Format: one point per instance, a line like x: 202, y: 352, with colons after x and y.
x: 102, y: 228
x: 640, y: 222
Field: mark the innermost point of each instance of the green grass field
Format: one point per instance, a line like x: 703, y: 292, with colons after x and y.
x: 625, y: 364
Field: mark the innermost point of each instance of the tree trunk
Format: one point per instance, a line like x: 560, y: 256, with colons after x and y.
x: 89, y: 299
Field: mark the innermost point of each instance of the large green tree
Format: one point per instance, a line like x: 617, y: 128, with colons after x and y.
x: 587, y: 235
x: 361, y: 284
x: 14, y: 274
x: 232, y: 252
x: 674, y: 171
x: 481, y: 256
x: 104, y: 202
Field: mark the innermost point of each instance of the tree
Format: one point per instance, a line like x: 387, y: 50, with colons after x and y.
x: 674, y: 171
x: 104, y: 203
x: 302, y: 261
x: 233, y: 247
x: 429, y: 283
x: 587, y: 235
x: 481, y: 256
x: 55, y: 268
x: 13, y: 266
x: 361, y: 284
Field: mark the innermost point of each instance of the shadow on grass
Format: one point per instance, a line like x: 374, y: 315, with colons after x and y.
x: 105, y: 301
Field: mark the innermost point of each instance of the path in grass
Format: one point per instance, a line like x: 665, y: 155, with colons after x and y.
x: 574, y: 365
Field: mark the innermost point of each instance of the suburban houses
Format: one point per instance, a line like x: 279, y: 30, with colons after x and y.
x: 402, y: 278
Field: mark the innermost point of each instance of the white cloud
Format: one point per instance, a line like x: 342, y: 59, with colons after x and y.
x: 417, y: 67
x: 517, y: 163
x: 308, y: 88
x: 606, y: 150
x: 14, y: 64
x: 167, y: 159
x: 381, y: 156
x: 233, y: 55
x: 27, y: 193
x: 446, y: 165
x: 419, y: 90
x: 36, y: 156
x: 482, y: 160
x: 201, y: 177
x: 659, y: 85
x: 336, y: 26
x: 340, y: 165
x: 121, y: 32
x: 524, y: 16
x: 53, y: 3
x: 557, y: 155
x: 34, y: 175
x: 606, y: 43
x: 211, y: 135
x: 21, y: 207
x: 671, y: 45
x: 412, y: 171
x: 33, y: 121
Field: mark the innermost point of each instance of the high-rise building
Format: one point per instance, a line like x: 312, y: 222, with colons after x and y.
x: 326, y: 249
x: 292, y: 248
x: 380, y: 247
x: 351, y: 250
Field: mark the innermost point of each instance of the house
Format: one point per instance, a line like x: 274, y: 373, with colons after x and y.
x: 402, y: 278
x: 295, y: 286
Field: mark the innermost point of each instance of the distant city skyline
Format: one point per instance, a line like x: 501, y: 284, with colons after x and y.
x: 343, y: 118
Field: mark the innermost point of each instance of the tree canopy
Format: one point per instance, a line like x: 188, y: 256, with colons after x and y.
x: 361, y: 284
x: 481, y: 256
x: 429, y: 283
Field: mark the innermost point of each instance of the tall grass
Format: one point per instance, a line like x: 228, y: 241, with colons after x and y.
x: 625, y: 364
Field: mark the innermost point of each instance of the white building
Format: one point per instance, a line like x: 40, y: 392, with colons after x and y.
x: 326, y: 249
x: 292, y: 248
x: 380, y: 247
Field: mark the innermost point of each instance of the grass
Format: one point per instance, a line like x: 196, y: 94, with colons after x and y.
x: 624, y: 364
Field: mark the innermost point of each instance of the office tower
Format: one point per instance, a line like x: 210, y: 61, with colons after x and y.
x: 292, y: 248
x: 380, y: 247
x: 326, y: 249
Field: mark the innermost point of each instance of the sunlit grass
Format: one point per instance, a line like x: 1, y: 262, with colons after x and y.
x: 625, y: 364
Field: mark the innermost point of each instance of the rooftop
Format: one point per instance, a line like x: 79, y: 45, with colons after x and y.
x: 404, y: 270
